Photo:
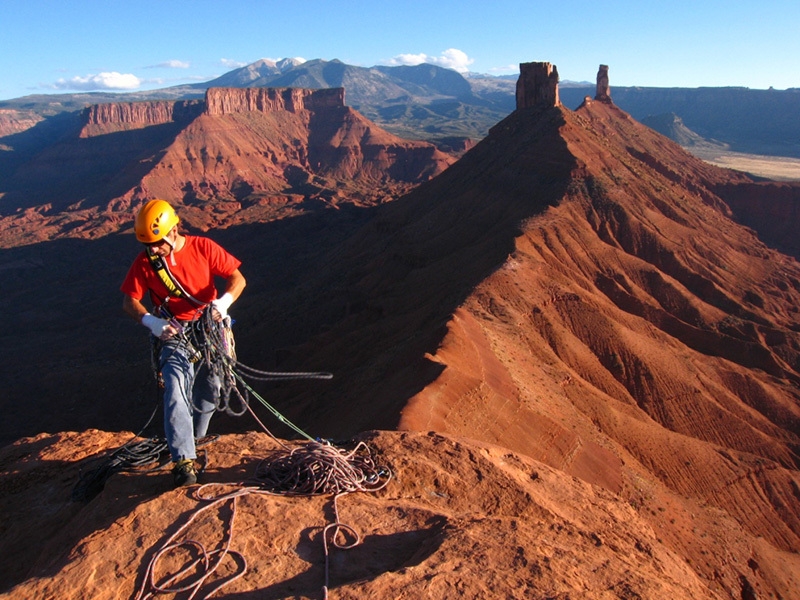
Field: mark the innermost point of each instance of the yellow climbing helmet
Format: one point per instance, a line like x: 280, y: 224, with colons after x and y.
x: 154, y: 221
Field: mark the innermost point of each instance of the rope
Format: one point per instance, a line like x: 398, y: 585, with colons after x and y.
x: 321, y: 468
x: 134, y: 454
x: 332, y: 531
x: 215, y: 343
x: 129, y: 455
x: 313, y: 468
x: 200, y: 568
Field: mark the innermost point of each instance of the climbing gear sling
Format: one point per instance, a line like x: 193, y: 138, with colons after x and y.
x: 174, y: 287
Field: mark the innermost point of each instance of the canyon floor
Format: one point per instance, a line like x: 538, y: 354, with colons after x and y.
x: 776, y: 168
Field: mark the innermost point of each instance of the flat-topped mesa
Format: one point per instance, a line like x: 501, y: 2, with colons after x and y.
x: 222, y: 101
x: 142, y: 113
x: 603, y: 93
x: 112, y: 117
x: 537, y: 86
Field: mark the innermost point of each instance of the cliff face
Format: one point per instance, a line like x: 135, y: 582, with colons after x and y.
x: 772, y: 209
x: 101, y: 119
x: 537, y: 86
x: 224, y: 101
x: 603, y: 90
x: 113, y: 116
x: 14, y: 121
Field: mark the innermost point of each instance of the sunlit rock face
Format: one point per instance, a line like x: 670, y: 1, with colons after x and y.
x: 537, y: 86
x: 603, y: 93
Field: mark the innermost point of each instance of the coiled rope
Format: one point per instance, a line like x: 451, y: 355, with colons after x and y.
x: 133, y: 455
x: 313, y: 468
x: 214, y: 341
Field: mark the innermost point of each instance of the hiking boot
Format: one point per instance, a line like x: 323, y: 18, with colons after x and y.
x: 184, y: 473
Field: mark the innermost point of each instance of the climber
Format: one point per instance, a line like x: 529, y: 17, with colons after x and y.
x: 178, y: 272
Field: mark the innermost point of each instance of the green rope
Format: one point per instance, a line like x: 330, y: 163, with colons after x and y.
x: 271, y: 408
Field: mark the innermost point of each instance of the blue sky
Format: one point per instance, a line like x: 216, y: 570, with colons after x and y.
x: 62, y: 46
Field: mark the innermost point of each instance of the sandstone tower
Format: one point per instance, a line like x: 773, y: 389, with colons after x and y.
x: 603, y: 93
x: 537, y: 85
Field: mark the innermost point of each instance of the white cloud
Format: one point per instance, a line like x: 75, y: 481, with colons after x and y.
x: 511, y: 68
x: 170, y: 64
x: 451, y: 58
x: 232, y: 64
x: 454, y: 59
x: 102, y: 81
x: 407, y: 60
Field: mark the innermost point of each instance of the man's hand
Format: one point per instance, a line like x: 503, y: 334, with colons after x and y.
x: 161, y: 328
x: 220, y: 306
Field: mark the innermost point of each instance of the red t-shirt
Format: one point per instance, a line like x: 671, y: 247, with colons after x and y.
x: 194, y: 266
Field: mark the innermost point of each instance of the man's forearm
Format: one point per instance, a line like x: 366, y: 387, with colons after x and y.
x: 134, y: 308
x: 235, y: 284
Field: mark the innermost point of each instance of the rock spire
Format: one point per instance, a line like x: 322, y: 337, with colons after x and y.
x: 603, y: 93
x: 537, y: 85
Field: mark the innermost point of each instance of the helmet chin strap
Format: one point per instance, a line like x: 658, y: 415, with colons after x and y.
x: 172, y: 245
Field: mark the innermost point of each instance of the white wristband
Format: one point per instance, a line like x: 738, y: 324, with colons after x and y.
x: 224, y: 302
x: 154, y: 324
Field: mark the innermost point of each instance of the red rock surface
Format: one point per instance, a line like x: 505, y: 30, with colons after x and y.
x: 226, y: 101
x: 537, y: 86
x: 13, y: 121
x: 241, y: 156
x: 111, y: 117
x: 458, y: 519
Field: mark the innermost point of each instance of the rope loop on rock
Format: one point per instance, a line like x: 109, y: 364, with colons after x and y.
x: 312, y: 468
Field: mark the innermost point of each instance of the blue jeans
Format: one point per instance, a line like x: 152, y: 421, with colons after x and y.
x: 191, y: 392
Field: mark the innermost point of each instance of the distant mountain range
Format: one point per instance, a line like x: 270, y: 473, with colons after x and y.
x: 440, y: 105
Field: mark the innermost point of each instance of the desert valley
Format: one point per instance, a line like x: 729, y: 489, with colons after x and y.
x: 573, y: 343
